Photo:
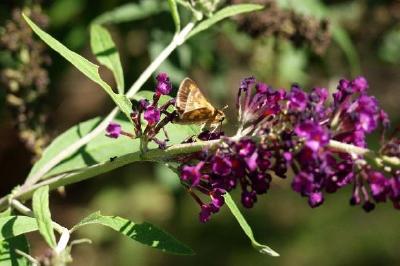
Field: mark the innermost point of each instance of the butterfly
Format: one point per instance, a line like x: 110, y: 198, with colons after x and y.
x: 193, y: 107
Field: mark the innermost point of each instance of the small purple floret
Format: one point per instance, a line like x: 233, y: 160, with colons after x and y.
x: 113, y: 130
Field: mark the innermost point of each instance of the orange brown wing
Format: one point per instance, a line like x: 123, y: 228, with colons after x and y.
x: 199, y: 115
x: 190, y: 98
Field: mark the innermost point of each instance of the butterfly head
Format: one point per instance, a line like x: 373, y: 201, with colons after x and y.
x: 219, y: 116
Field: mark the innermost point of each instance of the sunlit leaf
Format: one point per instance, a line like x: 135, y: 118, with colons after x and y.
x: 5, y: 213
x: 226, y: 12
x: 106, y: 53
x: 98, y: 150
x: 89, y: 69
x: 12, y: 226
x: 144, y: 233
x: 8, y: 256
x: 40, y: 205
x: 246, y: 227
x: 131, y: 12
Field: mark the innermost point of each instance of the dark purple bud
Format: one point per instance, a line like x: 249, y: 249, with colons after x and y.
x: 113, y: 130
x: 248, y: 199
x: 368, y: 206
x: 205, y: 213
x: 143, y: 103
x: 221, y: 165
x: 152, y: 115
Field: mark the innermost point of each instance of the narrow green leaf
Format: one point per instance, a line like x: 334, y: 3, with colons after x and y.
x: 342, y: 38
x: 8, y: 256
x: 12, y: 226
x: 226, y: 12
x: 175, y: 14
x: 87, y: 68
x: 5, y: 213
x: 104, y: 49
x: 131, y: 12
x: 40, y: 205
x: 246, y: 227
x: 144, y: 233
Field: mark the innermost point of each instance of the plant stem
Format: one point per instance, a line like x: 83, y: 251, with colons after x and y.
x: 156, y: 154
x: 28, y: 212
x: 178, y: 39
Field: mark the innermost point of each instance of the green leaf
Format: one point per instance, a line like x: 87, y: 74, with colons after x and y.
x: 342, y: 38
x: 144, y: 233
x: 5, y: 213
x: 40, y: 205
x: 131, y: 12
x: 246, y: 227
x: 100, y: 149
x: 175, y: 14
x: 8, y: 256
x: 89, y: 69
x: 13, y: 226
x: 104, y: 49
x: 226, y: 12
x: 389, y: 49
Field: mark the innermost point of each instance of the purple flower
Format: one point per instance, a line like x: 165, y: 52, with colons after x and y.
x: 217, y: 198
x: 192, y: 174
x: 113, y: 130
x: 221, y: 165
x: 261, y: 87
x: 163, y: 84
x: 315, y: 136
x: 315, y: 199
x: 378, y: 184
x: 360, y: 84
x: 152, y: 115
x: 281, y: 132
x: 251, y: 161
x: 303, y: 183
x: 297, y: 99
x: 245, y: 147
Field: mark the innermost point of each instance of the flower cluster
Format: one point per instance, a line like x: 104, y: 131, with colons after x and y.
x: 320, y: 138
x: 297, y: 130
x: 151, y: 113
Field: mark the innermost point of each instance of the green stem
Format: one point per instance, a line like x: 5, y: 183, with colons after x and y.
x: 156, y: 154
x: 178, y: 39
x: 17, y: 205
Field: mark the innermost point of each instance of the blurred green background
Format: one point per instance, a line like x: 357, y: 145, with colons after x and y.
x: 333, y: 234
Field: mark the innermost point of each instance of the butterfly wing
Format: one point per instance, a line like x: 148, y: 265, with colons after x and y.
x: 199, y: 115
x: 190, y: 98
